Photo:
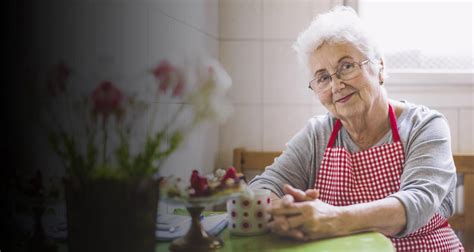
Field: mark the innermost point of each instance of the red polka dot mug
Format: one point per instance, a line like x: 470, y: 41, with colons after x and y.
x: 247, y: 214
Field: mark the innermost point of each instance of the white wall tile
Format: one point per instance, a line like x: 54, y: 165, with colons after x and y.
x: 240, y: 19
x: 243, y: 129
x: 285, y: 19
x: 242, y: 60
x: 168, y: 38
x: 204, y: 45
x: 213, y: 47
x: 105, y: 29
x: 284, y: 80
x: 61, y: 32
x: 466, y: 130
x: 194, y: 21
x: 53, y: 38
x: 175, y: 41
x: 197, y: 152
x: 210, y: 22
x: 208, y: 146
x: 184, y: 159
x: 453, y: 121
x: 84, y: 54
x: 432, y: 95
x: 135, y: 39
x: 92, y: 38
x: 320, y: 6
x: 199, y: 14
x: 281, y: 123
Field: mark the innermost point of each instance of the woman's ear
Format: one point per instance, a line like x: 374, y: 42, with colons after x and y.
x: 381, y: 75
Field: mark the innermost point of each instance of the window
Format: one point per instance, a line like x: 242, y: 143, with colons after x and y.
x: 423, y: 36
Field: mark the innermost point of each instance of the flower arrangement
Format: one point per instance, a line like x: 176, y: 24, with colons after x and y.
x: 106, y: 120
x: 220, y: 183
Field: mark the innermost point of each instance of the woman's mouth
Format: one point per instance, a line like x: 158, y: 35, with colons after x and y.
x: 345, y: 98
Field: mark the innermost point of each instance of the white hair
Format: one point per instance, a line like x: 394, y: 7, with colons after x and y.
x: 339, y: 25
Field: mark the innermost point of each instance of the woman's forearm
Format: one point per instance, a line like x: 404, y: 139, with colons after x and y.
x: 386, y: 216
x: 273, y: 196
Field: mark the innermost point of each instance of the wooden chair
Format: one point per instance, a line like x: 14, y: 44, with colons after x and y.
x: 464, y: 223
x: 252, y: 163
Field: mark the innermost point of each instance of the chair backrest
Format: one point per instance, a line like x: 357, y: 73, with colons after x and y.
x: 252, y: 163
x: 463, y: 223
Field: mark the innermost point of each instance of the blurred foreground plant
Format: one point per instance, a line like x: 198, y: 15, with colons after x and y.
x: 102, y: 144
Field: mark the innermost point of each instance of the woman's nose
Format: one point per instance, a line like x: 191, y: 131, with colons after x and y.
x: 337, y: 84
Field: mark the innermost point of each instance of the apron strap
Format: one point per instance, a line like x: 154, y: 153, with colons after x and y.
x: 333, y: 137
x: 393, y: 125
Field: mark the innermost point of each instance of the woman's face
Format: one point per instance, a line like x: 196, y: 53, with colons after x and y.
x: 346, y: 99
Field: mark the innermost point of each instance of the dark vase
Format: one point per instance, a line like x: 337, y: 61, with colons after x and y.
x: 39, y: 242
x: 111, y: 215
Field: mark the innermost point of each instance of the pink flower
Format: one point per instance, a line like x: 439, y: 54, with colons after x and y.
x: 169, y: 77
x: 163, y: 73
x: 179, y: 88
x: 56, y: 82
x: 107, y: 100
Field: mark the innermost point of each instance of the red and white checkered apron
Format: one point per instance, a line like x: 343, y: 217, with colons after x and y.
x: 346, y: 178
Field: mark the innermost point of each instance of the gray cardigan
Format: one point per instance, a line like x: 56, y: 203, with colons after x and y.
x: 429, y: 176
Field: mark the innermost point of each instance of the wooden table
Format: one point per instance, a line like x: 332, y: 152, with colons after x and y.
x: 370, y: 241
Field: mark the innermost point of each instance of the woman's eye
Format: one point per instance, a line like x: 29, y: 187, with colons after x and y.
x: 323, y: 78
x: 346, y: 66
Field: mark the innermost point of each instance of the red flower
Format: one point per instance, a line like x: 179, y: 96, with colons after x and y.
x: 169, y: 77
x: 56, y: 82
x: 231, y: 173
x: 36, y: 185
x: 199, y: 184
x: 107, y: 100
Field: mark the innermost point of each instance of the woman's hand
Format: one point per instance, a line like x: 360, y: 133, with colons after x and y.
x: 307, y: 220
x: 280, y: 224
x: 313, y: 219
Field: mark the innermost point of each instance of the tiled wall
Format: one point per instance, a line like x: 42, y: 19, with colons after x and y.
x: 124, y: 38
x: 270, y: 94
x: 252, y: 38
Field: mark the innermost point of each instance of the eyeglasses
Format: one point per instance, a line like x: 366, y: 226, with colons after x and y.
x: 345, y: 71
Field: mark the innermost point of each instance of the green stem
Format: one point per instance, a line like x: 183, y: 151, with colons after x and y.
x: 175, y: 116
x: 155, y: 104
x: 152, y: 121
x: 104, y: 143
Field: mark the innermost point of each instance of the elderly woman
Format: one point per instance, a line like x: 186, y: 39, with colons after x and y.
x: 371, y: 163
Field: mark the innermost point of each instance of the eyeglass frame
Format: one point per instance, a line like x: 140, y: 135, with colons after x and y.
x: 360, y: 63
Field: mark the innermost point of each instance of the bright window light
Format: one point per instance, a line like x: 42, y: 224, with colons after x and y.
x: 422, y: 35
